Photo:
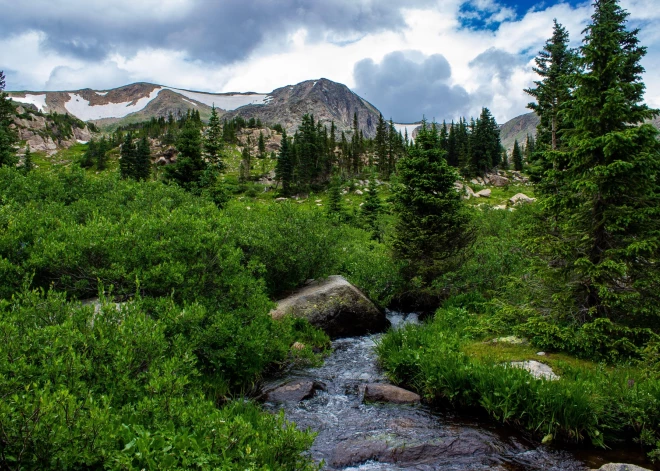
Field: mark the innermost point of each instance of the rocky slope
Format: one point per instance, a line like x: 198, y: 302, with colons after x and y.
x: 326, y: 100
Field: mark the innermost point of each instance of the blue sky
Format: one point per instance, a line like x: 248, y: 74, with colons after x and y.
x: 438, y: 58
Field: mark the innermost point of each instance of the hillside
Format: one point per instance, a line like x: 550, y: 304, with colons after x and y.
x: 518, y: 128
x: 326, y: 100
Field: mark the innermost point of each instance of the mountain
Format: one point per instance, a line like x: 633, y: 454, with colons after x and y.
x: 518, y: 128
x: 326, y: 100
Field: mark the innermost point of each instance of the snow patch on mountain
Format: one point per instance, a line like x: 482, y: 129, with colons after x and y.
x: 81, y: 108
x: 37, y: 100
x: 227, y: 102
x: 402, y: 128
x: 101, y: 93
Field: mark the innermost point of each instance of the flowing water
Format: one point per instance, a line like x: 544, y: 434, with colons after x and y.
x: 373, y: 437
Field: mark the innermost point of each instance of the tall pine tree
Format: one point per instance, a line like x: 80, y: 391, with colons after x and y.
x: 609, y: 225
x: 8, y: 137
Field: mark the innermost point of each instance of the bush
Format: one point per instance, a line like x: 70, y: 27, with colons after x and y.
x: 122, y: 389
x: 600, y: 405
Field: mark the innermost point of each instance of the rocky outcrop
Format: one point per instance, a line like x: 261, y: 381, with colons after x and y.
x: 498, y: 180
x: 295, y: 391
x: 326, y: 100
x: 335, y: 306
x: 377, y: 392
x: 43, y: 135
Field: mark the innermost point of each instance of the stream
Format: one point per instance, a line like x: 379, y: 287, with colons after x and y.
x: 373, y: 437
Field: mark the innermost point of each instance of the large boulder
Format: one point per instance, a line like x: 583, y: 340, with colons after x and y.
x: 498, y: 180
x: 621, y: 467
x: 335, y: 306
x: 377, y: 392
x: 537, y: 369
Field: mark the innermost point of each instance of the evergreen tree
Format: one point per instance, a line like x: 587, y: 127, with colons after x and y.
x: 28, y: 164
x: 8, y: 137
x: 380, y: 143
x: 555, y: 64
x: 261, y: 146
x: 452, y: 146
x: 101, y: 156
x: 609, y: 223
x: 334, y: 198
x: 432, y: 225
x: 517, y: 157
x: 128, y: 157
x: 530, y: 148
x: 189, y: 168
x: 213, y: 141
x: 371, y: 209
x: 90, y: 154
x: 142, y: 170
x: 505, y: 160
x: 284, y: 166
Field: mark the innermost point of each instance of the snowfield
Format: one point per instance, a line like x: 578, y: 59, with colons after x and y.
x: 37, y: 100
x: 80, y: 108
x: 225, y: 102
x: 402, y: 128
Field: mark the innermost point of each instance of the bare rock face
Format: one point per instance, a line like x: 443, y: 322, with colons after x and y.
x: 295, y: 391
x: 376, y: 392
x: 335, y: 306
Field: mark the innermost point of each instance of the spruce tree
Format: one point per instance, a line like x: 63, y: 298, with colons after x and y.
x: 432, y: 225
x: 610, y: 220
x: 128, y: 157
x: 517, y: 157
x: 189, y: 167
x: 8, y: 137
x: 334, y: 198
x: 555, y: 64
x: 142, y: 170
x: 371, y: 209
x: 380, y: 143
x: 28, y: 164
x: 88, y: 157
x: 213, y: 141
x: 284, y: 166
x: 101, y: 156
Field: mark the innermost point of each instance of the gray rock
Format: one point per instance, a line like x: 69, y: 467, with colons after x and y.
x: 537, y: 369
x: 521, y: 198
x: 621, y: 467
x: 335, y: 306
x: 498, y: 180
x: 484, y: 193
x: 376, y: 392
x: 295, y: 391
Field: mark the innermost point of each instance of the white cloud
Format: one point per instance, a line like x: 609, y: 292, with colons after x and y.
x: 284, y: 57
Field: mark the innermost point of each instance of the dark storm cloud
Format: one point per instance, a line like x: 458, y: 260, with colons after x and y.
x: 405, y: 88
x: 217, y: 31
x: 496, y: 63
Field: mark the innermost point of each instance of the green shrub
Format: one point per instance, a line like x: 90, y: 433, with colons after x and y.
x: 598, y: 405
x: 122, y: 388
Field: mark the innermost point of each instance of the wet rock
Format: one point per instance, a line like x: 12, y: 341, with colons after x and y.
x: 377, y: 392
x: 295, y: 391
x: 537, y: 369
x: 621, y: 467
x: 521, y: 198
x: 335, y: 306
x: 403, y: 453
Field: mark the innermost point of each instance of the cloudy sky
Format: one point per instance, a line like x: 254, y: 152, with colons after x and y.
x: 438, y: 58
